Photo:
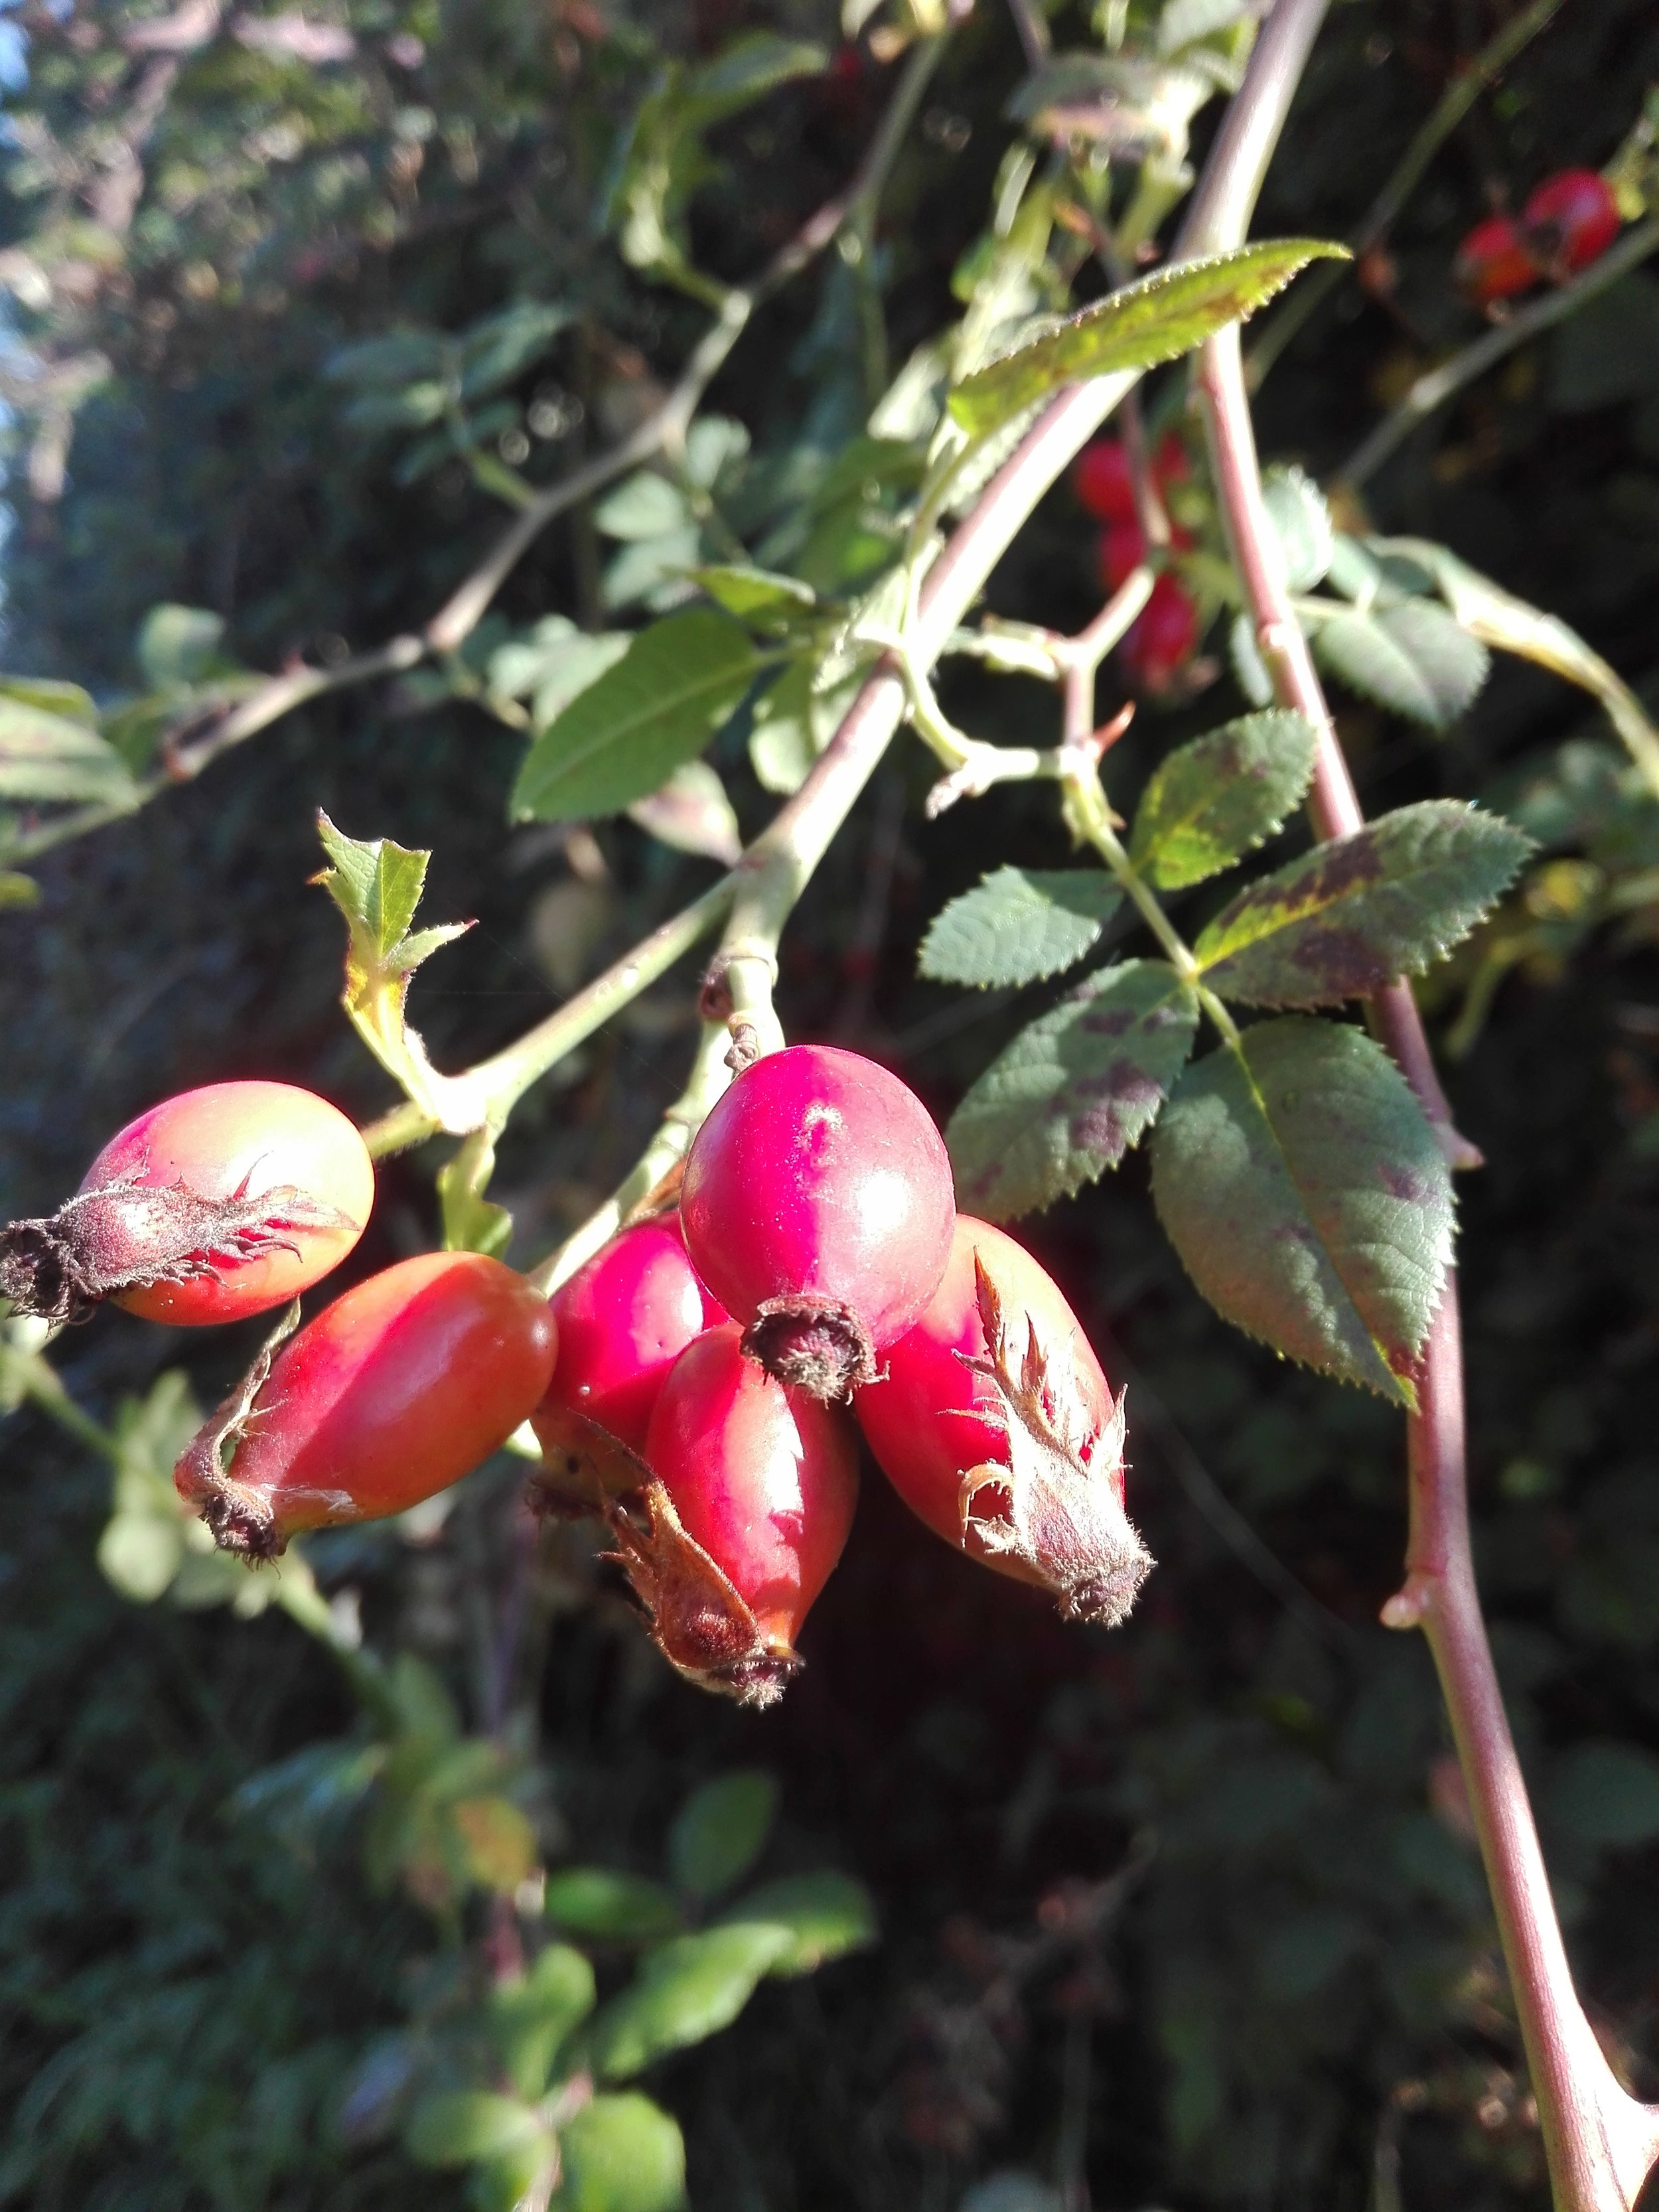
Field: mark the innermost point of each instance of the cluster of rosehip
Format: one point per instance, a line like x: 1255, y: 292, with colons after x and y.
x: 691, y: 1385
x: 1162, y: 639
x: 1569, y: 221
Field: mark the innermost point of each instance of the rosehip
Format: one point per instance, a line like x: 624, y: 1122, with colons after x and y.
x: 1103, y: 482
x: 215, y: 1204
x: 1161, y: 639
x: 743, y: 1514
x: 995, y: 1424
x: 1494, y: 263
x: 817, y: 1206
x: 1120, y: 550
x: 1570, y: 221
x: 395, y: 1391
x: 623, y: 1320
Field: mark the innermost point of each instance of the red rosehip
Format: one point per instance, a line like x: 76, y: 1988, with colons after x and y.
x: 1103, y: 482
x: 1162, y: 638
x: 1494, y: 263
x: 1570, y: 221
x: 995, y: 1424
x: 1120, y: 550
x: 817, y: 1207
x: 215, y: 1204
x: 623, y: 1320
x: 747, y: 1504
x: 395, y: 1391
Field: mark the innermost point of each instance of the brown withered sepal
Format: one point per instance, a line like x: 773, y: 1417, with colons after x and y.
x: 240, y: 1519
x: 1063, y: 1518
x: 125, y: 1234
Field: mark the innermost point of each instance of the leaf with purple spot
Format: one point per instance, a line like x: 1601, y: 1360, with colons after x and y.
x: 1073, y: 1092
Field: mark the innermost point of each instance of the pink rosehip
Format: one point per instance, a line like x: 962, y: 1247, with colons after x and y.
x: 750, y: 1497
x: 623, y: 1321
x: 1570, y: 221
x: 817, y: 1207
x: 996, y: 1425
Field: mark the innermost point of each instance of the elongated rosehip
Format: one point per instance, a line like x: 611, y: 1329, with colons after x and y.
x: 994, y: 1424
x: 749, y: 1497
x: 623, y: 1320
x: 1494, y: 261
x: 395, y: 1391
x: 215, y: 1204
x: 1160, y: 640
x: 817, y: 1207
x: 1570, y: 221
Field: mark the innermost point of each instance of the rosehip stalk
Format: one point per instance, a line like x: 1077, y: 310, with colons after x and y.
x: 995, y: 1424
x: 817, y: 1207
x: 747, y: 1497
x: 395, y: 1391
x: 217, y: 1204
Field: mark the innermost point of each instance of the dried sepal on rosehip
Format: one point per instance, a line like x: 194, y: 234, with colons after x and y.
x: 996, y: 1425
x: 1064, y: 1519
x: 736, y: 1519
x: 220, y: 1203
x: 698, y: 1618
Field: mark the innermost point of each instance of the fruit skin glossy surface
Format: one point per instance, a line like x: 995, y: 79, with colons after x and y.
x: 623, y: 1320
x: 820, y: 1189
x: 1570, y: 220
x: 1104, y: 482
x: 256, y: 1137
x: 1494, y: 261
x: 395, y: 1391
x: 931, y: 1418
x: 764, y: 1479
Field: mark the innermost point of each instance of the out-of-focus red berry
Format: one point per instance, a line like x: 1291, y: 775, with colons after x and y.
x: 1104, y: 483
x: 1570, y: 221
x: 1162, y: 638
x: 1494, y: 261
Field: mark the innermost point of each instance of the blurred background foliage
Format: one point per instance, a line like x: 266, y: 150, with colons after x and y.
x: 1188, y: 1915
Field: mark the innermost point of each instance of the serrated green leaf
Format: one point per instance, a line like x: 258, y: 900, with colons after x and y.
x: 689, y: 1989
x: 1302, y: 1185
x: 1018, y: 926
x: 457, y: 2126
x: 1498, y: 619
x: 1302, y: 525
x: 1069, y: 1097
x: 642, y: 507
x: 692, y: 813
x: 793, y: 722
x: 760, y: 597
x: 48, y: 755
x: 751, y: 67
x: 532, y: 2017
x: 52, y: 696
x: 624, y: 736
x: 376, y: 885
x: 826, y: 1915
x: 721, y: 1831
x: 613, y: 1907
x: 1354, y: 914
x: 1155, y: 318
x: 180, y: 645
x: 1411, y: 657
x: 1218, y: 798
x: 1250, y: 669
x: 621, y: 2154
x: 498, y: 350
x: 392, y: 359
